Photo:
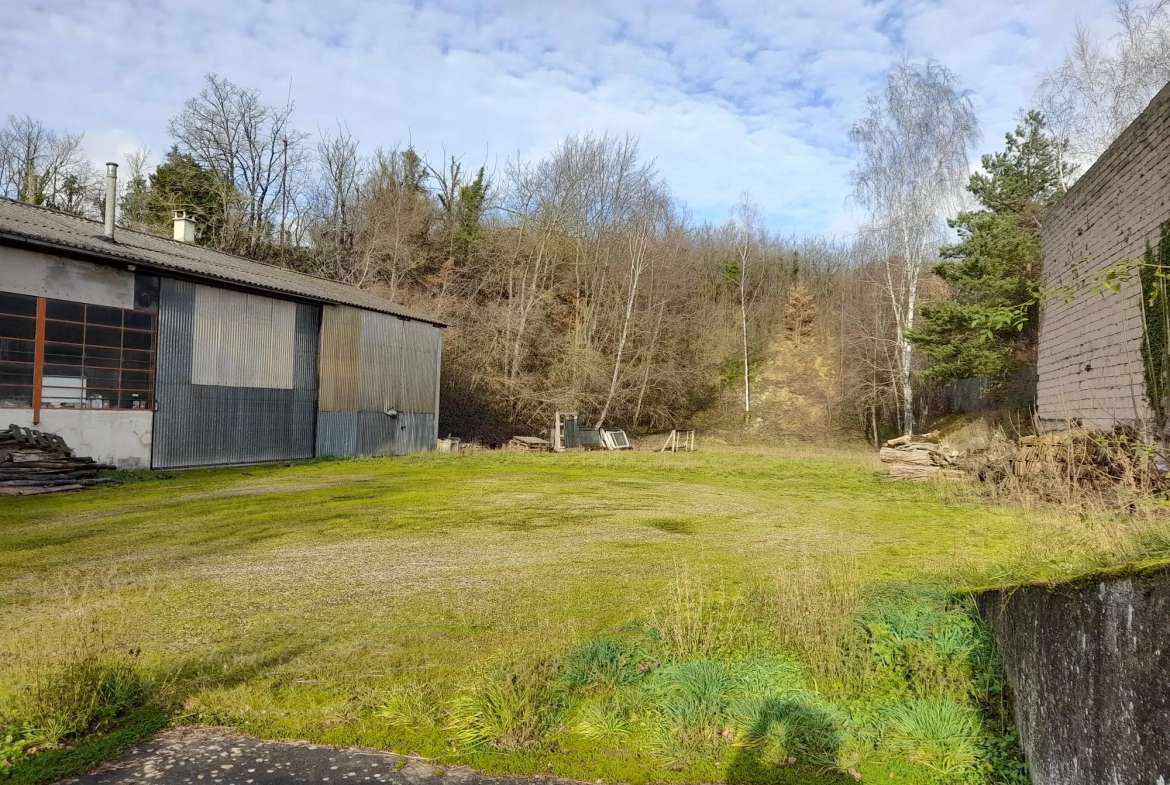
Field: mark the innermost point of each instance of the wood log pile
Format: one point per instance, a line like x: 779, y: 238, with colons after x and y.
x: 33, y: 462
x: 921, y: 457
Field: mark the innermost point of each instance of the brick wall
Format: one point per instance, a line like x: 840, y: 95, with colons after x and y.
x: 1089, y: 365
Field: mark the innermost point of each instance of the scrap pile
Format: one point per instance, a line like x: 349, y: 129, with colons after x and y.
x: 33, y: 462
x: 921, y: 457
x: 1077, y: 465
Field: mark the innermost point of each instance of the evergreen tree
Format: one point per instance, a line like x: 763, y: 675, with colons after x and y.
x: 996, y: 263
x: 179, y: 183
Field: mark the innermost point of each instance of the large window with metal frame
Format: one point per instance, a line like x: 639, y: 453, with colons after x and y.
x: 62, y: 354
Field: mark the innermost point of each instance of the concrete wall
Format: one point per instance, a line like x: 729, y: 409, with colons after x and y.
x: 45, y: 275
x: 1089, y: 365
x: 121, y: 437
x: 1089, y: 665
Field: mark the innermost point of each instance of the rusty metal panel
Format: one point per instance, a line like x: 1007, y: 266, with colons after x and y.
x: 341, y: 330
x: 373, y: 364
x: 208, y: 424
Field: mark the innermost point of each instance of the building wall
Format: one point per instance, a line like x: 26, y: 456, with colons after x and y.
x: 237, y: 377
x: 119, y: 437
x: 379, y: 384
x: 1089, y: 366
x: 44, y: 275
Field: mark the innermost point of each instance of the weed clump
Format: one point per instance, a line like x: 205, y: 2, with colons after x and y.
x: 82, y: 696
x: 509, y: 706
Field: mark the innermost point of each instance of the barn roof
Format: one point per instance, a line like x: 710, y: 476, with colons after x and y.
x: 49, y: 230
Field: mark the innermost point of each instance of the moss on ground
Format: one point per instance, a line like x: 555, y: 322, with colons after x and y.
x: 745, y: 616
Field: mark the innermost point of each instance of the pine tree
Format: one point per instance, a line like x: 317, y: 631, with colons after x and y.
x: 996, y: 262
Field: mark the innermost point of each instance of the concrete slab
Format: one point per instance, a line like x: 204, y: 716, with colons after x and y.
x: 219, y: 756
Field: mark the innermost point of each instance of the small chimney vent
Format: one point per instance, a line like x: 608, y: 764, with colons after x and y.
x: 111, y: 198
x: 184, y: 227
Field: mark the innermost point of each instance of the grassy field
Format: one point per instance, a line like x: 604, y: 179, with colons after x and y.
x: 777, y: 616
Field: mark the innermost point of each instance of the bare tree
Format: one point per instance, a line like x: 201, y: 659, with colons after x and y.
x: 135, y: 190
x: 42, y: 167
x: 745, y: 235
x: 256, y: 152
x: 1103, y: 84
x: 396, y: 218
x: 646, y: 216
x: 337, y: 200
x: 914, y: 141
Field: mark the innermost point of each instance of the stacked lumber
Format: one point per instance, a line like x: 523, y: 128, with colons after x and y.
x: 921, y: 457
x: 33, y: 462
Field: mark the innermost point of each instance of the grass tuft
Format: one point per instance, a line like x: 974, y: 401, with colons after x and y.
x: 509, y: 706
x: 600, y: 665
x: 936, y: 733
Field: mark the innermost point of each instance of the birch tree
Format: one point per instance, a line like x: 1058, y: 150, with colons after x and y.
x: 744, y: 233
x: 914, y: 141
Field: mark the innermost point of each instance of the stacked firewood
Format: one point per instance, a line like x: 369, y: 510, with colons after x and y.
x: 34, y: 462
x: 921, y: 457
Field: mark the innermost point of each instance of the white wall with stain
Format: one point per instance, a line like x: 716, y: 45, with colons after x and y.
x: 121, y: 437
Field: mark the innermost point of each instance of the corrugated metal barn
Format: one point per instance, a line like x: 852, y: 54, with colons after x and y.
x: 151, y: 352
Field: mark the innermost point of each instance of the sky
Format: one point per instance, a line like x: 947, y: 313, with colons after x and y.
x: 726, y: 96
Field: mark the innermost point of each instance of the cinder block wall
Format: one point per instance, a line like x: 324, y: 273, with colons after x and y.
x: 1089, y: 366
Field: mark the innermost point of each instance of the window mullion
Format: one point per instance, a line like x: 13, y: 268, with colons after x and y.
x: 38, y: 360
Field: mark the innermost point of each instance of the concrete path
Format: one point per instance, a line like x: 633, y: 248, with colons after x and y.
x: 219, y: 756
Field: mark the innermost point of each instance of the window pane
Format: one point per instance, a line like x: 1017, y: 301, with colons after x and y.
x: 135, y: 380
x: 102, y: 336
x: 18, y: 304
x: 100, y: 314
x: 102, y: 357
x: 20, y: 395
x: 101, y: 378
x: 62, y: 391
x: 138, y: 321
x: 15, y: 373
x: 20, y: 351
x: 135, y: 400
x: 137, y: 340
x: 62, y: 354
x: 66, y: 332
x: 68, y: 371
x: 64, y: 310
x: 132, y: 358
x: 17, y: 327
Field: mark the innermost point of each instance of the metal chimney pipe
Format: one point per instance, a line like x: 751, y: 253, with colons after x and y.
x: 111, y: 198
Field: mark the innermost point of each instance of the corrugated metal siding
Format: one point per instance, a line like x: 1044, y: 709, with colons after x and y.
x: 337, y: 433
x: 341, y: 331
x: 243, y: 340
x: 202, y: 424
x: 381, y: 363
x: 372, y: 363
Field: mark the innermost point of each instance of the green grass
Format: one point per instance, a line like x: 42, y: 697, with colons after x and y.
x: 622, y: 616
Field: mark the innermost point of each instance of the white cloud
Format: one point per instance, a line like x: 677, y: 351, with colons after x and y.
x: 727, y: 95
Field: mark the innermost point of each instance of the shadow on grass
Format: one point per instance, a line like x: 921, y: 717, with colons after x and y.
x: 792, y: 743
